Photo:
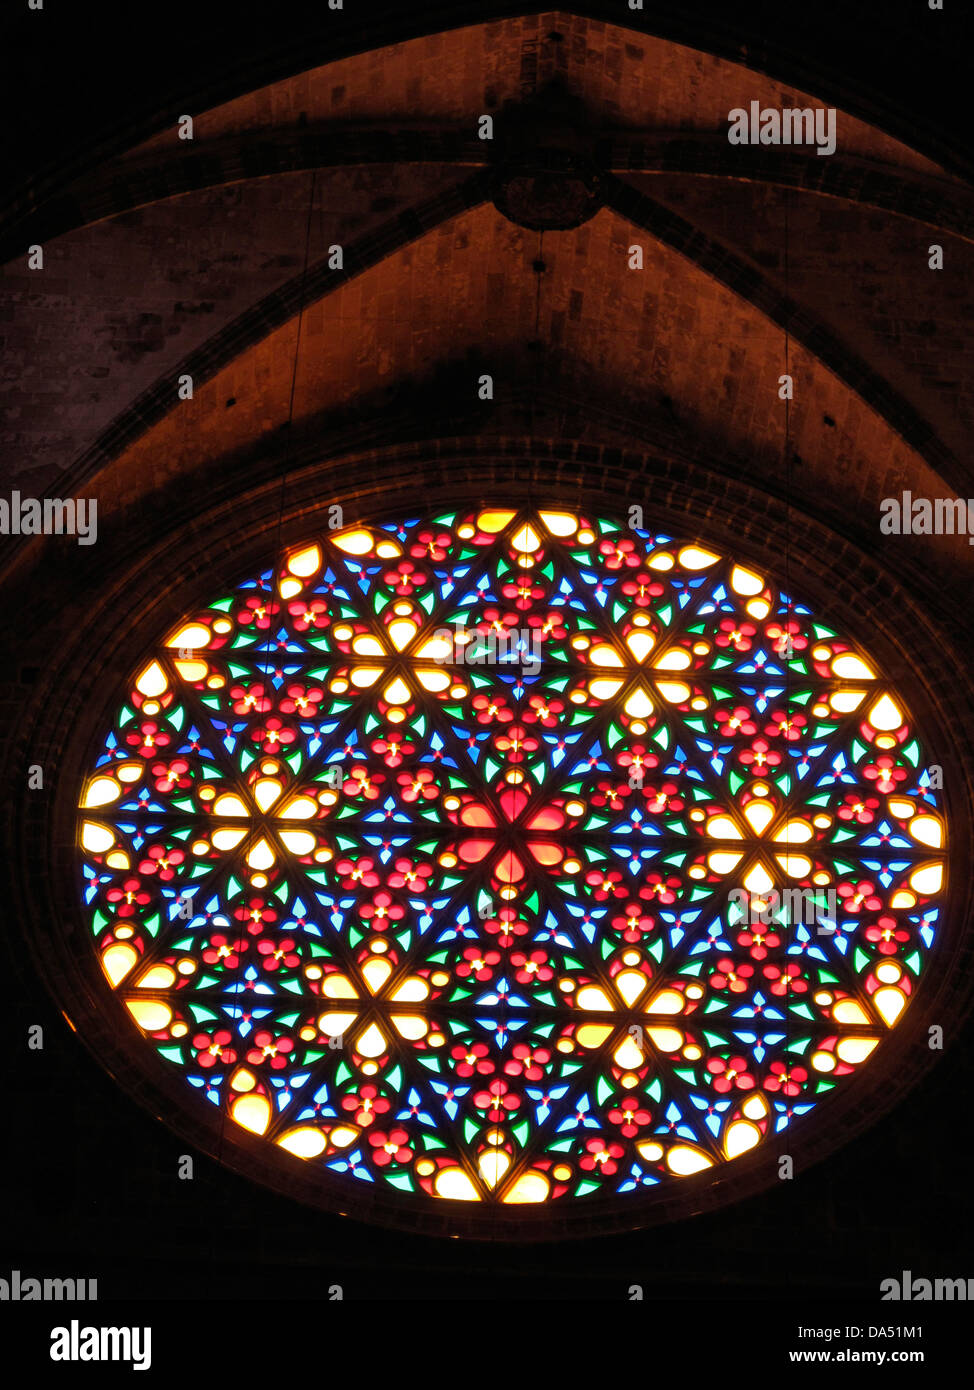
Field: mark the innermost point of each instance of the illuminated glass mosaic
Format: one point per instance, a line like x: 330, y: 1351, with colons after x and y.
x: 511, y: 857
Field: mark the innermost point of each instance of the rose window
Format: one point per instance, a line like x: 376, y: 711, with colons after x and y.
x: 510, y: 857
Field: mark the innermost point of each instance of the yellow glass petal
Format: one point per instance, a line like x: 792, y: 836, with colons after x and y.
x: 852, y: 1050
x: 431, y: 680
x: 453, y: 1184
x: 795, y: 832
x: 928, y: 830
x: 252, y: 1112
x: 559, y: 523
x: 158, y: 977
x: 334, y: 1023
x: 848, y: 1011
x: 298, y: 841
x: 225, y: 838
x: 493, y: 1165
x: 723, y: 828
x: 604, y: 689
x: 649, y: 1148
x: 117, y: 960
x: 401, y: 633
x: 304, y: 1142
x: 101, y: 790
x: 193, y: 635
x: 755, y: 1107
x: 850, y: 667
x: 794, y: 865
x: 666, y: 1039
x: 927, y: 879
x: 192, y: 670
x: 301, y: 808
x: 526, y: 540
x: 412, y: 991
x: 376, y: 972
x: 305, y: 563
x: 229, y: 805
x: 746, y: 581
x: 693, y: 557
x: 885, y: 715
x: 338, y: 986
x: 410, y: 1026
x: 678, y: 659
x: 367, y: 645
x: 684, y: 1159
x: 845, y: 701
x: 722, y: 863
x: 668, y: 1001
x: 357, y: 542
x: 593, y: 997
x: 261, y: 856
x: 372, y: 1043
x: 150, y: 1014
x: 890, y: 1003
x: 592, y: 1034
x: 396, y: 692
x: 674, y: 691
x: 639, y: 705
x: 628, y: 1054
x: 740, y: 1137
x: 529, y: 1187
x: 759, y: 814
x: 153, y: 680
x: 604, y: 655
x: 437, y: 648
x: 758, y: 880
x: 364, y: 676
x: 96, y: 838
x: 640, y: 643
x: 494, y: 521
x: 888, y: 972
x: 630, y: 984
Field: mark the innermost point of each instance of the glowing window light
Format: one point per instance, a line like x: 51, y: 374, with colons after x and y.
x: 427, y: 780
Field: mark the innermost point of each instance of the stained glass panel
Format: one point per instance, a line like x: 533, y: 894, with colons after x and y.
x: 511, y: 857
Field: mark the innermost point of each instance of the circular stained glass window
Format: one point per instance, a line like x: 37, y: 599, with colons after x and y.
x: 510, y: 857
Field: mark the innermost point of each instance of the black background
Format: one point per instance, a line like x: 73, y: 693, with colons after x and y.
x: 89, y: 1178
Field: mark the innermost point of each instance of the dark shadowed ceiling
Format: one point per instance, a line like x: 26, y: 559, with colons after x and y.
x: 199, y: 256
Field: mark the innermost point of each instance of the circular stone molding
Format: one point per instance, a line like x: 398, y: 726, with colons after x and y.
x: 508, y: 868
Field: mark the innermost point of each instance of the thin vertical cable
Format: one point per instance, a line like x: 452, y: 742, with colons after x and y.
x: 250, y: 839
